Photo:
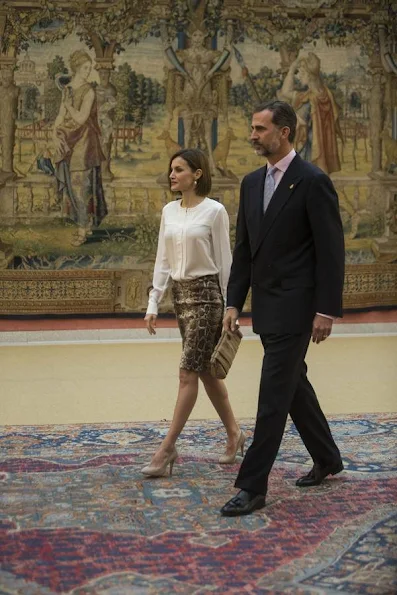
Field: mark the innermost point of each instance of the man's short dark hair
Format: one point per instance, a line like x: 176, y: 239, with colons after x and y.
x: 283, y: 115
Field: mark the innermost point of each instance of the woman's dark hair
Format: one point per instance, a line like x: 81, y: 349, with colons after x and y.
x: 196, y: 159
x: 283, y: 114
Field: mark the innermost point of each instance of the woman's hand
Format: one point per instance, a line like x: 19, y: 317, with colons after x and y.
x: 230, y: 320
x: 293, y: 67
x: 150, y: 320
x: 59, y: 143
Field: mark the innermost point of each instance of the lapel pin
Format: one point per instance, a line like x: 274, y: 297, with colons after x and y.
x: 291, y: 186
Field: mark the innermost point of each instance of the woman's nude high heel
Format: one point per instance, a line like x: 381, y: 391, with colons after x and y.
x: 230, y: 459
x: 160, y: 470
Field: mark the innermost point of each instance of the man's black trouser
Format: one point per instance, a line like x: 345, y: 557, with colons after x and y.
x: 285, y: 389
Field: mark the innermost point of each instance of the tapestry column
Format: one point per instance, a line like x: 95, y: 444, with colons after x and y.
x: 9, y: 104
x: 376, y: 109
x: 106, y: 97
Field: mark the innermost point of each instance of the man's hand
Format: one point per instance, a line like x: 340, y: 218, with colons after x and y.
x: 150, y: 320
x: 322, y: 327
x: 230, y: 321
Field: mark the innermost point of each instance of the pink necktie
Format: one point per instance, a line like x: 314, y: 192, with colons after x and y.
x: 269, y: 187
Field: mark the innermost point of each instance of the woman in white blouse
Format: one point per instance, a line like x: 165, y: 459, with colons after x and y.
x: 193, y: 254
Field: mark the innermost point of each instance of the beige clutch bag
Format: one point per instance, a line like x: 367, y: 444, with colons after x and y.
x: 224, y: 353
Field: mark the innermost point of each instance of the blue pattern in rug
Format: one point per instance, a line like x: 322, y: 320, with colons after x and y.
x: 77, y: 516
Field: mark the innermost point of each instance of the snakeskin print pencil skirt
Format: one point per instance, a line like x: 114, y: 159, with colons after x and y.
x: 199, y: 308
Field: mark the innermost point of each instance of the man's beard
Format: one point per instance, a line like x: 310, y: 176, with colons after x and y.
x: 263, y: 151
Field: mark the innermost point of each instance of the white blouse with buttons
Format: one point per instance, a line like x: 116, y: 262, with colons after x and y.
x: 193, y: 242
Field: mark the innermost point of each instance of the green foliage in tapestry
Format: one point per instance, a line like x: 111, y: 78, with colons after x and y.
x: 145, y: 237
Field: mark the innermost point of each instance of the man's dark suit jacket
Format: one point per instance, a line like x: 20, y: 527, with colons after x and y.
x: 293, y: 256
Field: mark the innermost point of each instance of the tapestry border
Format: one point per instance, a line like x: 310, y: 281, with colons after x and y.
x: 110, y: 291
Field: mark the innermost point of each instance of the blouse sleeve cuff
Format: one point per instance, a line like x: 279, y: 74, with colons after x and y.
x: 152, y: 308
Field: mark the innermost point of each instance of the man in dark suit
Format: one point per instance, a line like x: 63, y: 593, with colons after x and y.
x: 290, y: 251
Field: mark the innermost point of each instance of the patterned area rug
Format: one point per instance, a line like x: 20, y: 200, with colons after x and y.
x: 76, y: 515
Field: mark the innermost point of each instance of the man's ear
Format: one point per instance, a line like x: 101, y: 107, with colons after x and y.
x: 285, y: 131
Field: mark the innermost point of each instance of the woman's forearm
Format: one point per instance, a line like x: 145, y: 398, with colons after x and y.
x: 57, y: 123
x: 81, y: 116
x: 78, y: 116
x: 287, y: 88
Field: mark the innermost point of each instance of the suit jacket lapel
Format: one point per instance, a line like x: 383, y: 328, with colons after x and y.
x: 279, y: 199
x: 257, y: 204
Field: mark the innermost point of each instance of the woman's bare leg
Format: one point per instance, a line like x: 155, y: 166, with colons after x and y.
x: 187, y: 396
x: 217, y: 392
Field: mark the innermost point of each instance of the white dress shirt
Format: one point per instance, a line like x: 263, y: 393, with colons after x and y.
x: 193, y: 242
x: 282, y: 166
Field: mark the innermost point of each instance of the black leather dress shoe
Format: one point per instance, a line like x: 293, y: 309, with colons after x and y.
x: 243, y: 503
x: 317, y: 474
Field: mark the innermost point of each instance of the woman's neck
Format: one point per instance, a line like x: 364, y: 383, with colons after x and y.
x: 315, y: 84
x: 77, y: 81
x: 190, y: 199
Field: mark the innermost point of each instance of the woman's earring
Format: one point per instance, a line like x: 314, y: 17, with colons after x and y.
x: 195, y: 183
